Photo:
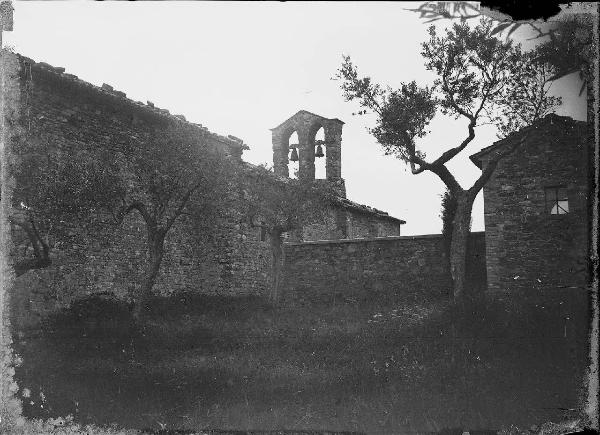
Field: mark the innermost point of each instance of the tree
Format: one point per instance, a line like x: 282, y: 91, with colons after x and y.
x: 480, y: 78
x: 281, y: 205
x: 61, y: 198
x: 176, y: 173
x: 566, y: 42
x: 447, y: 216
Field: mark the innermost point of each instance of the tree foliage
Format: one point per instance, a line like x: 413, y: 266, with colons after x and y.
x: 568, y: 46
x: 170, y: 167
x: 175, y: 172
x: 479, y: 78
x: 60, y: 198
x: 566, y: 43
x: 281, y: 205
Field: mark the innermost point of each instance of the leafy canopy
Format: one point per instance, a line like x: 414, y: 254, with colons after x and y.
x: 176, y: 171
x: 479, y: 77
x: 282, y: 204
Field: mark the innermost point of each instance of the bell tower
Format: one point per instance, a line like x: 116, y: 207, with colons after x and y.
x: 306, y: 125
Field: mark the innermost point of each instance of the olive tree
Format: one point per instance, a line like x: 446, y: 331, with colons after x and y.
x: 174, y: 173
x: 480, y: 78
x: 281, y: 205
x: 61, y: 198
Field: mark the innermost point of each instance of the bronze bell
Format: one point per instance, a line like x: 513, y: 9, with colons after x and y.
x: 294, y: 155
x: 319, y: 152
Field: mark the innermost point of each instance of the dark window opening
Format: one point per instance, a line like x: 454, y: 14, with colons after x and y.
x: 557, y: 201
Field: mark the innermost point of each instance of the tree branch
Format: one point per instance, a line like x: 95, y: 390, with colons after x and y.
x: 181, y: 206
x: 141, y: 208
x: 42, y: 257
x: 446, y: 156
x: 31, y: 235
x: 412, y: 156
x: 446, y: 176
x: 45, y: 247
x: 453, y: 103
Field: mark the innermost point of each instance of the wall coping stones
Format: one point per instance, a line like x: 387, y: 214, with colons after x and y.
x: 374, y: 239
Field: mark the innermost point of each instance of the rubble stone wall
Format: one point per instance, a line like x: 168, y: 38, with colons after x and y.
x: 527, y: 246
x: 66, y: 116
x: 357, y: 268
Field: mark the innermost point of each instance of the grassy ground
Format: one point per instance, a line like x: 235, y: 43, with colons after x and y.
x: 381, y: 365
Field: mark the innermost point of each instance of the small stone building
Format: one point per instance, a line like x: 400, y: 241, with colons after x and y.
x: 536, y: 207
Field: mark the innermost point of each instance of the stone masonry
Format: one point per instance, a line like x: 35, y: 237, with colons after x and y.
x: 306, y: 125
x: 346, y: 219
x: 358, y: 268
x: 72, y: 115
x: 527, y: 246
x: 230, y: 258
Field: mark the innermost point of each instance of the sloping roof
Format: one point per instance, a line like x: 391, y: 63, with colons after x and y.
x: 344, y: 202
x: 540, y: 123
x: 149, y: 107
x: 107, y: 90
x: 306, y: 112
x: 339, y: 200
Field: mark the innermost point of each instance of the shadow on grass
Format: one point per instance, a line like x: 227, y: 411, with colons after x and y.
x: 235, y: 363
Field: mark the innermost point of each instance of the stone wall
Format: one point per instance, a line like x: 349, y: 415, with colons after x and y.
x: 69, y: 117
x: 357, y: 268
x: 527, y: 247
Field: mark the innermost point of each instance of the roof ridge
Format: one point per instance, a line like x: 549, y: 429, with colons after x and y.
x: 310, y: 113
x: 107, y: 89
x: 549, y: 117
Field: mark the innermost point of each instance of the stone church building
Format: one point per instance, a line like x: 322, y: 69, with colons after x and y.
x: 65, y: 115
x: 536, y: 211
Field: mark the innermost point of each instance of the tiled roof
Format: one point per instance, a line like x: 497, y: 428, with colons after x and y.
x: 107, y: 90
x: 366, y: 209
x: 339, y: 200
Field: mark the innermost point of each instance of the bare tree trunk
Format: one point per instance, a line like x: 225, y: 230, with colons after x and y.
x: 156, y: 240
x: 458, y: 246
x: 277, y: 260
x: 25, y: 266
x: 41, y: 250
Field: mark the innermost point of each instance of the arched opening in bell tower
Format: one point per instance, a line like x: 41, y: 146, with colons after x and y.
x: 308, y: 147
x: 320, y: 155
x: 294, y: 155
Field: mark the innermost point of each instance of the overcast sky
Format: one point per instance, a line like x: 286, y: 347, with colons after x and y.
x: 242, y: 68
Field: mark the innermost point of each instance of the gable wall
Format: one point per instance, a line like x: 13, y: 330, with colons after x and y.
x: 527, y: 247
